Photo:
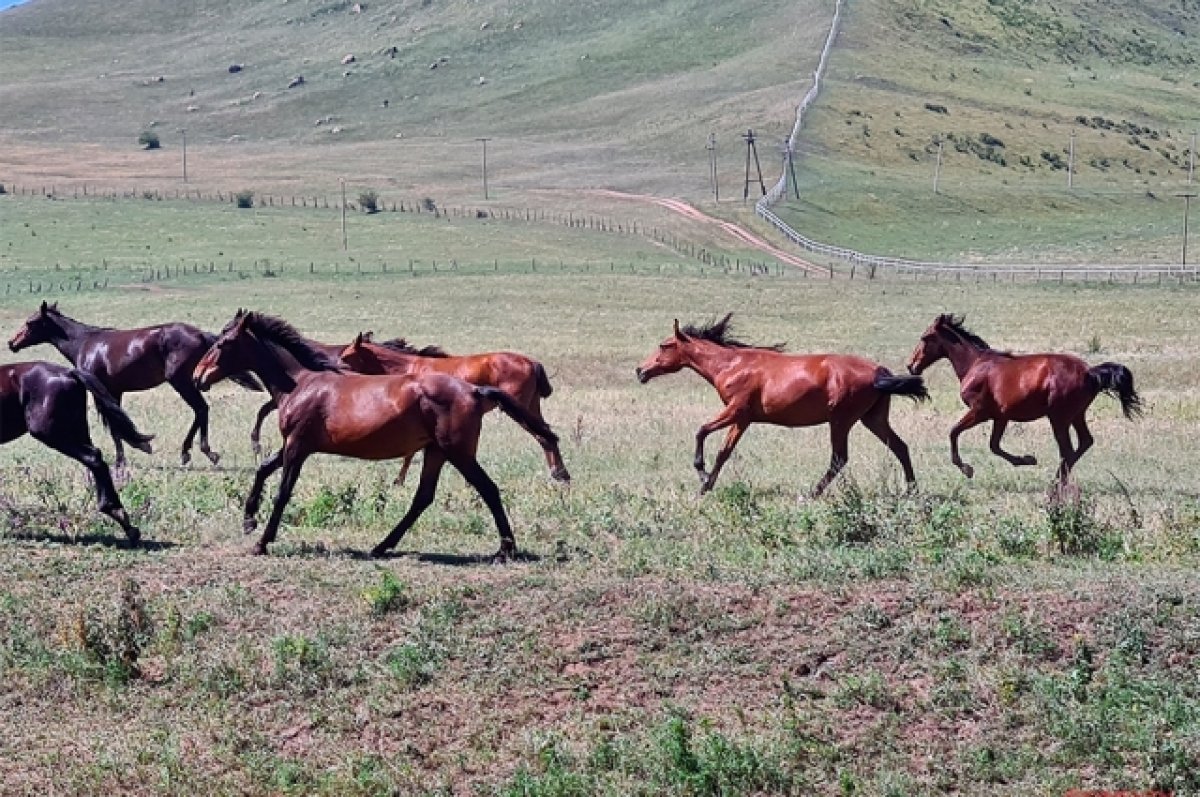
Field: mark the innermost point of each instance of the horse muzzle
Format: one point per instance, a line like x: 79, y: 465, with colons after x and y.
x: 642, y: 376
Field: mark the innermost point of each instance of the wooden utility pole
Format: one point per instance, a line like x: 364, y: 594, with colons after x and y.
x: 345, y: 246
x: 1187, y: 209
x: 937, y: 166
x: 1192, y: 159
x: 711, y: 146
x: 484, y: 141
x: 184, y: 132
x: 752, y: 150
x: 789, y: 167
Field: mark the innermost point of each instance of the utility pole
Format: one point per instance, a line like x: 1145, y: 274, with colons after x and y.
x: 1187, y: 209
x: 484, y: 141
x: 752, y: 150
x: 342, y: 180
x: 711, y: 146
x: 789, y: 167
x: 184, y: 131
x: 1192, y: 158
x: 1071, y: 161
x: 937, y: 166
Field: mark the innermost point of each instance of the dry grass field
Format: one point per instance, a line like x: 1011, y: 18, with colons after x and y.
x: 972, y: 637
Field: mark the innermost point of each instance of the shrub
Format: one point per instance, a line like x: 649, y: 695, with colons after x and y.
x: 429, y: 205
x: 244, y: 199
x: 389, y: 595
x: 369, y: 201
x: 149, y: 140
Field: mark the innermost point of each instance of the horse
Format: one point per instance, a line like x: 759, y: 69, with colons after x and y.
x: 324, y: 409
x: 131, y: 360
x: 49, y: 402
x: 331, y: 350
x: 1003, y: 387
x: 763, y: 384
x: 521, y: 377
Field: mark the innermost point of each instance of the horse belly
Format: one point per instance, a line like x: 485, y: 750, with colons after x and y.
x: 370, y: 438
x: 808, y: 409
x: 12, y: 418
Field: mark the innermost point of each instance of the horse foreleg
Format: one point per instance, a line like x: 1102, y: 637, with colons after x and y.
x: 726, y: 417
x: 971, y: 419
x: 998, y: 427
x: 194, y: 399
x: 292, y: 463
x: 254, y: 499
x: 431, y: 471
x: 731, y: 439
x: 839, y: 441
x: 256, y: 433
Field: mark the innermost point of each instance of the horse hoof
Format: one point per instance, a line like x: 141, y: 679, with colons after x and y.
x: 213, y: 457
x: 378, y: 552
x: 259, y: 550
x: 185, y: 459
x: 967, y: 470
x: 561, y: 475
x: 133, y: 536
x: 1028, y: 459
x: 249, y: 525
x: 502, y: 557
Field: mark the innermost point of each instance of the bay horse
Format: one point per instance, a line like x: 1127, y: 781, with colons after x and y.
x: 330, y: 350
x: 131, y: 360
x: 49, y: 401
x: 763, y: 384
x: 521, y: 377
x: 324, y: 409
x: 1002, y: 387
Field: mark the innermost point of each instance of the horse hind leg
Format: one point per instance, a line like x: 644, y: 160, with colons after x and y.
x: 554, y: 460
x: 475, y: 475
x: 108, y: 501
x: 194, y: 399
x: 839, y: 440
x: 1062, y: 436
x: 998, y: 427
x: 431, y: 471
x: 877, y: 423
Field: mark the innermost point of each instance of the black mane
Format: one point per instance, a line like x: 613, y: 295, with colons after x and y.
x: 719, y: 332
x: 270, y: 329
x: 955, y: 323
x: 402, y: 345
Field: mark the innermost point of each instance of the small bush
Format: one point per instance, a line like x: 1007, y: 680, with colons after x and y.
x: 149, y: 140
x: 1072, y: 526
x: 113, y: 643
x: 429, y: 205
x: 369, y: 201
x: 244, y: 199
x: 389, y: 595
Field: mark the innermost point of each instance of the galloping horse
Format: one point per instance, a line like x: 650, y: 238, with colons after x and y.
x: 521, y: 377
x: 761, y: 384
x: 323, y: 409
x: 331, y: 350
x: 131, y: 360
x: 50, y: 402
x: 1003, y: 387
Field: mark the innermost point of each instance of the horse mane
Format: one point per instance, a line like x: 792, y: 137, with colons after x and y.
x: 53, y: 311
x: 402, y: 345
x: 719, y: 332
x: 955, y: 322
x: 271, y: 329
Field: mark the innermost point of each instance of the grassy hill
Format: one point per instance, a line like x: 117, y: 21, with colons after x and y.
x: 623, y: 95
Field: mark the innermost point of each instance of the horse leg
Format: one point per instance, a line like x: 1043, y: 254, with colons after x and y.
x: 256, y: 432
x: 120, y: 464
x: 876, y: 421
x: 475, y: 475
x: 1062, y: 436
x: 194, y: 399
x: 254, y: 499
x: 554, y: 460
x: 293, y: 461
x: 431, y: 471
x: 971, y: 419
x: 839, y: 440
x: 731, y: 439
x: 723, y: 419
x: 998, y: 427
x: 106, y: 492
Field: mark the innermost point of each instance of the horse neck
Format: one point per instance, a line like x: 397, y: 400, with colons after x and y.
x: 278, y: 370
x: 709, y: 359
x: 962, y: 356
x: 74, y: 333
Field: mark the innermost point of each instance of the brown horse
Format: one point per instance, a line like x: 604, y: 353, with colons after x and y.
x: 521, y: 377
x: 1002, y: 387
x: 50, y: 402
x: 131, y: 360
x: 322, y: 409
x: 331, y: 350
x: 761, y: 384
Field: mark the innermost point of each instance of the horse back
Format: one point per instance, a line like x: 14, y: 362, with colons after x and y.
x: 1025, y: 387
x: 804, y: 389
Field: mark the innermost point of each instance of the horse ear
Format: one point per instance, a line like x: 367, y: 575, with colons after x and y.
x: 724, y: 322
x: 678, y: 333
x: 358, y: 341
x: 44, y: 308
x: 54, y: 306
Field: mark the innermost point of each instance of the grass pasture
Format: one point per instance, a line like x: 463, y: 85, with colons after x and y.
x: 969, y: 638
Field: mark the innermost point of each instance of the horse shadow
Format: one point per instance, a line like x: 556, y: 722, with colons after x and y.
x: 91, y: 539
x: 445, y: 559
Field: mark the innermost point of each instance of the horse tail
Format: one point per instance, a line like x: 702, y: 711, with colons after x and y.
x: 543, y: 382
x: 243, y: 378
x: 513, y: 409
x: 1117, y: 380
x: 912, y: 387
x: 114, y: 417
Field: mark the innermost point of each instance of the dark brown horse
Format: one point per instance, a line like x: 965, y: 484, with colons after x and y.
x: 331, y: 350
x: 761, y: 384
x: 323, y: 409
x: 50, y: 402
x: 1001, y: 387
x: 521, y: 377
x: 131, y: 360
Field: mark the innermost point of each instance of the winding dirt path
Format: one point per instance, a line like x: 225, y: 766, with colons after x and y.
x: 731, y: 229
